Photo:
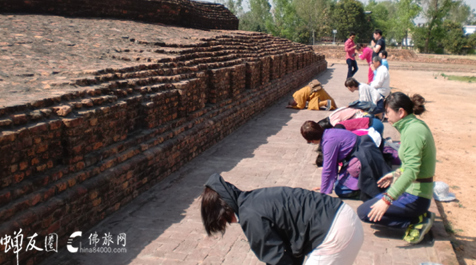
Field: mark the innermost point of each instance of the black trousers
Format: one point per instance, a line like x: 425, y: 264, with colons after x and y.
x: 352, y: 64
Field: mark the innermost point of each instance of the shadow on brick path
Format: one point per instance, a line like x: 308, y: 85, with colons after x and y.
x: 163, y: 225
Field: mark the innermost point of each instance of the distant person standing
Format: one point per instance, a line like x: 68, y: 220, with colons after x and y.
x: 349, y: 47
x: 379, y: 43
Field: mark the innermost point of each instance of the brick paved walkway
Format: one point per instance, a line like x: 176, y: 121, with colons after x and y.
x: 163, y: 226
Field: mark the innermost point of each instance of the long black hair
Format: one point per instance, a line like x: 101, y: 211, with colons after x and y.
x: 215, y: 212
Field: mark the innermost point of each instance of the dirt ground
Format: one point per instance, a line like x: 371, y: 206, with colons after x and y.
x: 451, y: 115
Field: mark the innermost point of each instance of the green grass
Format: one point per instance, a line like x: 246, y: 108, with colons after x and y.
x: 468, y: 79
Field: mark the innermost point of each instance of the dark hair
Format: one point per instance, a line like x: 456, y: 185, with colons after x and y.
x: 351, y: 33
x: 358, y: 46
x: 351, y: 82
x: 325, y: 123
x: 311, y: 131
x: 320, y: 156
x: 384, y: 53
x: 379, y: 32
x: 398, y: 100
x: 215, y: 212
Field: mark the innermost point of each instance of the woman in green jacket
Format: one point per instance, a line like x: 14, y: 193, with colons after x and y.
x: 405, y: 204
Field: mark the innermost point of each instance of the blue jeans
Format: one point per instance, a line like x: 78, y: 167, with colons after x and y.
x: 352, y: 64
x: 404, y: 211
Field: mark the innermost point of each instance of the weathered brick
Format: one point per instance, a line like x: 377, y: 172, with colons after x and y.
x: 63, y: 110
x: 7, y: 136
x: 19, y: 119
x: 54, y: 125
x: 37, y: 128
x: 72, y: 123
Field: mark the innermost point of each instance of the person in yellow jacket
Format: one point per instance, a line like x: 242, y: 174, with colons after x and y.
x: 315, y: 94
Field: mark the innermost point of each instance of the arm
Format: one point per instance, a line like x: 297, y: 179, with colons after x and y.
x: 329, y: 167
x: 378, y: 80
x: 348, y: 46
x: 412, y: 150
x: 266, y: 243
x: 376, y: 49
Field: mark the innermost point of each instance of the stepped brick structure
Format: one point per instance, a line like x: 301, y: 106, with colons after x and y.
x: 94, y: 112
x: 183, y: 13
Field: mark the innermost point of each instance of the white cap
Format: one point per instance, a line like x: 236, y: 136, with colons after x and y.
x: 441, y: 192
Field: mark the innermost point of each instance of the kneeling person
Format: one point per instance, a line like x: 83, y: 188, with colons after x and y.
x: 315, y: 94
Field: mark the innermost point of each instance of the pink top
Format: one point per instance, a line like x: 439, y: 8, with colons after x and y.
x: 366, y: 54
x: 350, y: 53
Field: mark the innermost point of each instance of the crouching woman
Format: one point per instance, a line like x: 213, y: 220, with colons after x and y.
x: 285, y: 224
x: 406, y: 202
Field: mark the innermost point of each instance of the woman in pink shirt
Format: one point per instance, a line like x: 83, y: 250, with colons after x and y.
x: 366, y: 54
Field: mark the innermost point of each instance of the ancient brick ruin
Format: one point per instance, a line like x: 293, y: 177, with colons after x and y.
x: 183, y: 13
x: 85, y: 138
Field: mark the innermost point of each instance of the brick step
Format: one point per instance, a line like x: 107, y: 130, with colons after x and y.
x: 32, y: 191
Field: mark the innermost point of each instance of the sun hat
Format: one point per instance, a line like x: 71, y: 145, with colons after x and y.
x: 441, y: 192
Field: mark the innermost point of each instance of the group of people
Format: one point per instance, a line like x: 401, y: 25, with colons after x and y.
x: 376, y: 49
x: 284, y: 225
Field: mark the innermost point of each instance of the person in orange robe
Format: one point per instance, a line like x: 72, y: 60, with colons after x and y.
x: 315, y: 94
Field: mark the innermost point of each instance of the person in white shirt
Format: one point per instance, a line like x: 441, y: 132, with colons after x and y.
x: 366, y: 93
x: 381, y: 83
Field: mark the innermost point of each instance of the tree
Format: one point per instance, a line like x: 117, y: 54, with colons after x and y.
x: 257, y: 17
x: 381, y: 18
x: 235, y: 7
x: 315, y: 16
x: 434, y: 13
x: 460, y: 13
x: 455, y: 41
x: 407, y: 11
x: 347, y: 16
x: 286, y: 23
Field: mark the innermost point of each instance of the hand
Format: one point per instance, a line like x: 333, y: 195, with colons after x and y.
x: 316, y: 188
x: 378, y: 210
x: 385, y: 181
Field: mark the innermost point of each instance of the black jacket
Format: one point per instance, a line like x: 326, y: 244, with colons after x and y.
x: 282, y: 224
x: 373, y: 167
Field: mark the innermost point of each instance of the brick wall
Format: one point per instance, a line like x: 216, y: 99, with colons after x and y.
x: 68, y: 161
x: 183, y: 13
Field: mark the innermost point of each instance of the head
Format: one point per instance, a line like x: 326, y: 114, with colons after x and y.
x: 215, y: 212
x: 315, y: 84
x: 292, y: 102
x: 377, y: 61
x: 352, y: 84
x: 398, y: 106
x: 358, y: 47
x: 377, y: 34
x: 384, y: 54
x: 312, y: 132
x: 352, y: 35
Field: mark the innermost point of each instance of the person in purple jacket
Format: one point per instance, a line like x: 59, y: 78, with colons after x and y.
x: 362, y: 161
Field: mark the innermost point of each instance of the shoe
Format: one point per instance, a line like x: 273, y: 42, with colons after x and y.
x: 329, y: 104
x: 416, y: 232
